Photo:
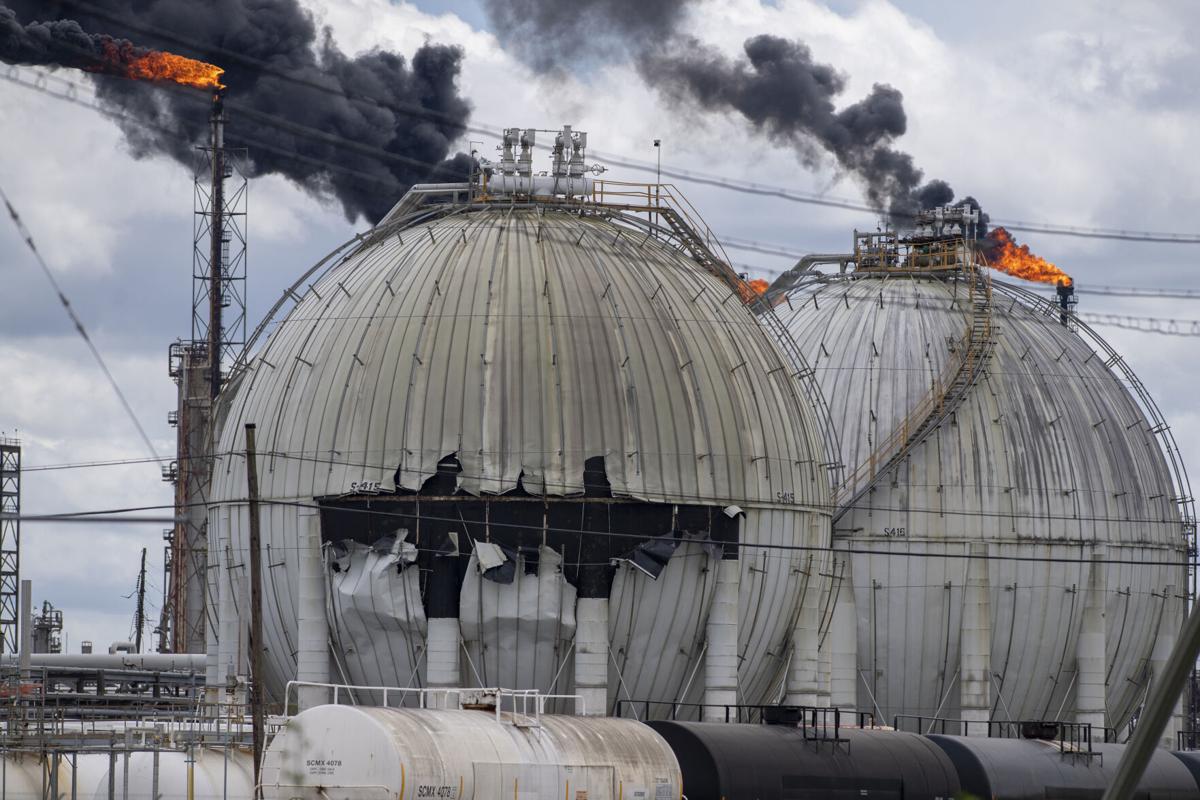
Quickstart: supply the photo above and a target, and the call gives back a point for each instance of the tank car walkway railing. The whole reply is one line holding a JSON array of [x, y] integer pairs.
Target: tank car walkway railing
[[1072, 738], [946, 393], [818, 724]]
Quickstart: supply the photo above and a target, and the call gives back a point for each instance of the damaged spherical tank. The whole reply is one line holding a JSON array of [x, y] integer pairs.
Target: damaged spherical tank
[[537, 447], [1011, 527], [335, 751]]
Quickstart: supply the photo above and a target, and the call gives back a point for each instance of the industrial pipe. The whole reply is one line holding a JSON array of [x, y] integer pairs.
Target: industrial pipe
[[721, 657], [150, 662], [803, 669], [788, 279], [312, 625]]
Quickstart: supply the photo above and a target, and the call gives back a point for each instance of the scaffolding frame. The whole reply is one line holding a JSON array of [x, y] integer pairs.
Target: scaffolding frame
[[10, 544]]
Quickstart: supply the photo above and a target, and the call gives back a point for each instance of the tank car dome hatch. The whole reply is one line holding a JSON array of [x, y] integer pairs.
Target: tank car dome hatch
[[533, 436], [1014, 520]]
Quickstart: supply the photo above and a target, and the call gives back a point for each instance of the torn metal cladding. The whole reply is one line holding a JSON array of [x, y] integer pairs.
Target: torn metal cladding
[[1048, 455], [501, 412]]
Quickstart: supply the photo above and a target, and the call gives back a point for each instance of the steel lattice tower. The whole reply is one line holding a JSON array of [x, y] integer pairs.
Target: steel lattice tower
[[218, 336], [10, 544]]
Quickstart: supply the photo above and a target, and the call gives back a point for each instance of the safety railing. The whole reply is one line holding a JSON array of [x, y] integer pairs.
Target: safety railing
[[948, 389], [655, 196], [522, 704], [819, 722]]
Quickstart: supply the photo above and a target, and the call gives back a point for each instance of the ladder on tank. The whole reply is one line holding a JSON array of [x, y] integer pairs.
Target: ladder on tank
[[945, 395]]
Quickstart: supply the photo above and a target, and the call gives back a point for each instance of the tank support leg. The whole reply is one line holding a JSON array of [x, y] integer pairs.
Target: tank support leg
[[976, 637], [721, 657]]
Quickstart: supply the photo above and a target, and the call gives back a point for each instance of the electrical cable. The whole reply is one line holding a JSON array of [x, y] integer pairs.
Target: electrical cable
[[719, 181], [821, 507], [764, 546], [66, 304]]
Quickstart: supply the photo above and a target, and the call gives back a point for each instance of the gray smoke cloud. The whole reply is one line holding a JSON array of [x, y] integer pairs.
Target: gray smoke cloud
[[285, 78], [552, 34], [789, 97], [776, 85]]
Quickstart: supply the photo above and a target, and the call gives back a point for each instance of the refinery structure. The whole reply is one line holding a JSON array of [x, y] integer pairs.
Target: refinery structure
[[525, 491]]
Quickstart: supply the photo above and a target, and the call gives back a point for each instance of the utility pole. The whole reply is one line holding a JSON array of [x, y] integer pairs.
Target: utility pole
[[256, 643], [139, 616]]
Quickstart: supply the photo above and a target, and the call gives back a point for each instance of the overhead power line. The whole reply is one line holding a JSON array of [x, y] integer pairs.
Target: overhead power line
[[78, 323], [1170, 327], [692, 176], [1084, 545]]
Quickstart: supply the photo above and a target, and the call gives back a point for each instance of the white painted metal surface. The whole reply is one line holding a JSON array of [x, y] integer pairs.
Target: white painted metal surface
[[312, 652], [218, 774], [591, 654], [1048, 456], [445, 643], [526, 341], [352, 753], [721, 658]]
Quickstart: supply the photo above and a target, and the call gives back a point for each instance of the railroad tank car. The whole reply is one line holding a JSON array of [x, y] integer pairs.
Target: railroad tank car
[[336, 752], [1014, 523], [1030, 768], [517, 444], [730, 761]]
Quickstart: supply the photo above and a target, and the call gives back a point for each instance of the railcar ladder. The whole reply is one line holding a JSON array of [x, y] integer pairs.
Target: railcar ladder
[[945, 395]]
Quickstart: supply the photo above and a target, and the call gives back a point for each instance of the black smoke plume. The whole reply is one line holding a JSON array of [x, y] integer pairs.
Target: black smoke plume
[[356, 129], [777, 87], [552, 34]]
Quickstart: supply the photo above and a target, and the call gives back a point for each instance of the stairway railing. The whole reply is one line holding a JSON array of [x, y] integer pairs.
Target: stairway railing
[[946, 391]]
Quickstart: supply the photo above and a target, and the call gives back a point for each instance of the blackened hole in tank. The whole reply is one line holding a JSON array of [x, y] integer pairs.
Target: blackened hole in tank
[[590, 531]]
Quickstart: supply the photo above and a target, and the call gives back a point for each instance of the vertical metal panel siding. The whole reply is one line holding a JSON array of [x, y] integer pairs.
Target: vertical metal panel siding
[[526, 342], [1048, 451]]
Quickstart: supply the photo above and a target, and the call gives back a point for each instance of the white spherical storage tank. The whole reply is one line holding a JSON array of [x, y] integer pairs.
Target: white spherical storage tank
[[347, 753], [1023, 556], [530, 448], [218, 773]]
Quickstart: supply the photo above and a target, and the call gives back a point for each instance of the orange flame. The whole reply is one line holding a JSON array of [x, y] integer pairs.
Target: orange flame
[[750, 291], [1016, 260], [127, 61]]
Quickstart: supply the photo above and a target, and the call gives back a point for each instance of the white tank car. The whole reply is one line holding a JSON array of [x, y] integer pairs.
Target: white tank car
[[337, 752], [967, 588], [517, 446]]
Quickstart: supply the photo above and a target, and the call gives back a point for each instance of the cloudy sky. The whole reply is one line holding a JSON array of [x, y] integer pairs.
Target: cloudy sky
[[1074, 113]]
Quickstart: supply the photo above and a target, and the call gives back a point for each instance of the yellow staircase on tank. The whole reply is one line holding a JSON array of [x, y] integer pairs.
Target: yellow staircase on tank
[[947, 391]]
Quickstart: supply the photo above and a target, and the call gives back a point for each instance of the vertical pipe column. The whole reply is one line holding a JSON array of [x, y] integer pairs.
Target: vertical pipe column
[[213, 678], [216, 255], [843, 643], [591, 633], [312, 653], [824, 670], [721, 657], [591, 654], [1090, 649], [26, 629], [975, 686], [802, 676], [228, 661], [1164, 643], [443, 639]]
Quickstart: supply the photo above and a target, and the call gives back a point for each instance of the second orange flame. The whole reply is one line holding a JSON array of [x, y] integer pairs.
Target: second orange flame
[[127, 61], [1017, 260]]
